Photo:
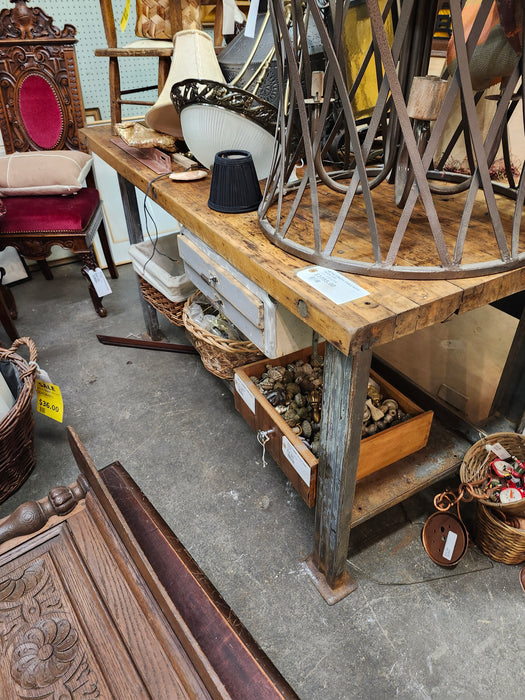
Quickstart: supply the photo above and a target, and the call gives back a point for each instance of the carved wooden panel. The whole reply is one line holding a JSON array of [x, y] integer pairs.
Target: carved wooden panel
[[86, 611], [77, 622], [44, 649], [24, 22]]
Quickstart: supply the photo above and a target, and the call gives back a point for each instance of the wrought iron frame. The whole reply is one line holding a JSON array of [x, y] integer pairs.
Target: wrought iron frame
[[305, 127]]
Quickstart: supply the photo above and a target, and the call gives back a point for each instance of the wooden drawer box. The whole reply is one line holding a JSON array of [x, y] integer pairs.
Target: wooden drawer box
[[271, 327], [291, 454]]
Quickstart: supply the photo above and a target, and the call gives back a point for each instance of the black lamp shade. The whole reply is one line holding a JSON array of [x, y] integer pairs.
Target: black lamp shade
[[234, 185]]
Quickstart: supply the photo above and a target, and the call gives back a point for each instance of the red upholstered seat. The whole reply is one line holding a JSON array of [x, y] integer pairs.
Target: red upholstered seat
[[71, 212]]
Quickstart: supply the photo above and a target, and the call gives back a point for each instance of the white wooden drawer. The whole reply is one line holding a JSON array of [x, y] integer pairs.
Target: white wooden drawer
[[271, 327]]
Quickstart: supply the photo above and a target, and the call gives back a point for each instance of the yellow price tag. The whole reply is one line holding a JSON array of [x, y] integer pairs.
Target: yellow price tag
[[49, 400], [125, 16]]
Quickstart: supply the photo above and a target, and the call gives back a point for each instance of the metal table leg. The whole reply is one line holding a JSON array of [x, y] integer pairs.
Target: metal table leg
[[345, 386], [509, 400], [135, 234]]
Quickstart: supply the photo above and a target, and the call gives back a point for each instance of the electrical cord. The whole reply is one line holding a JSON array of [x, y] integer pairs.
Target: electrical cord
[[148, 216]]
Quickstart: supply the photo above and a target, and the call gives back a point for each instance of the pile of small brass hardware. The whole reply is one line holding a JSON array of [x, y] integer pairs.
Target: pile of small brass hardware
[[380, 412], [296, 393]]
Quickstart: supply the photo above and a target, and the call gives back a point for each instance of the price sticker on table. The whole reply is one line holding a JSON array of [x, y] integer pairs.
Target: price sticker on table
[[49, 400], [332, 284]]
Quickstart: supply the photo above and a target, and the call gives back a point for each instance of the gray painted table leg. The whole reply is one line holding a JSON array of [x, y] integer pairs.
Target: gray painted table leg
[[135, 234], [345, 389]]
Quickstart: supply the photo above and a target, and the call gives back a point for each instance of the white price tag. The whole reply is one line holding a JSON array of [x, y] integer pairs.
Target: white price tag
[[41, 374], [332, 284], [245, 394], [228, 17], [99, 281], [249, 29], [450, 543], [295, 459], [498, 450]]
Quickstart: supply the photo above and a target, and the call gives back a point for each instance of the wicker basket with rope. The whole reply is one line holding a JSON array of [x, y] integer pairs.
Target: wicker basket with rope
[[17, 452], [219, 355]]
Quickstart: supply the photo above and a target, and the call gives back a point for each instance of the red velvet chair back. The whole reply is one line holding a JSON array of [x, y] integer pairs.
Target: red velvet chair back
[[41, 105], [41, 109]]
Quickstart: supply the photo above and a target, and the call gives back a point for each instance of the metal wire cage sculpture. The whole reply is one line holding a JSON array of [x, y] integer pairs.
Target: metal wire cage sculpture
[[375, 195]]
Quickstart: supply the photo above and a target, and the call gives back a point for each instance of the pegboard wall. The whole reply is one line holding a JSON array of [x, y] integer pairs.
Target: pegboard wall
[[94, 71]]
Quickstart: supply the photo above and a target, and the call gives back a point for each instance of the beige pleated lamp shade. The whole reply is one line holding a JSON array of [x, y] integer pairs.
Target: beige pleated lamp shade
[[193, 57]]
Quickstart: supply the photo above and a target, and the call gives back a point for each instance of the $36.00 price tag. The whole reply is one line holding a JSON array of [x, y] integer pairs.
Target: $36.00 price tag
[[49, 400]]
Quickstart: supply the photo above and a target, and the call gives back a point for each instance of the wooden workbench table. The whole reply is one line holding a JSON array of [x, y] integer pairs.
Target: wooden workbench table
[[392, 309]]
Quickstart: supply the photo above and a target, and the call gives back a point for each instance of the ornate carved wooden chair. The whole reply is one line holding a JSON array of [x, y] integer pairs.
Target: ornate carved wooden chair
[[41, 112]]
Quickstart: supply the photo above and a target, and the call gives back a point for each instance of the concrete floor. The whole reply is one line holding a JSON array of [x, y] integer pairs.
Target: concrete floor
[[410, 630]]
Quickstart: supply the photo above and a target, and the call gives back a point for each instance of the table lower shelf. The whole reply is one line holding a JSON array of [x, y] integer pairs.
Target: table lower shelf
[[386, 488], [441, 457]]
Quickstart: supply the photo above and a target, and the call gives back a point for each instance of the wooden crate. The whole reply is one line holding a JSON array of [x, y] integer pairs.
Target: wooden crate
[[291, 454]]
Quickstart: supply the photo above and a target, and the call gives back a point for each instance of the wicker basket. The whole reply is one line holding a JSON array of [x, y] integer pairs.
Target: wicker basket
[[172, 310], [497, 539], [219, 355], [17, 452], [153, 19], [475, 467]]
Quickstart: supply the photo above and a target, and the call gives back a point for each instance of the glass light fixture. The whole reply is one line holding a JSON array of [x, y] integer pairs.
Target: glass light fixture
[[217, 117]]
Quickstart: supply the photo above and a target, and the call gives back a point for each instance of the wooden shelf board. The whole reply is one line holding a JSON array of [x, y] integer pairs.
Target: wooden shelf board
[[386, 488]]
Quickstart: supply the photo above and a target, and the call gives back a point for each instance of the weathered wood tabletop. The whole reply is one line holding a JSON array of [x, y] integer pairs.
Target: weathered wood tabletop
[[393, 308]]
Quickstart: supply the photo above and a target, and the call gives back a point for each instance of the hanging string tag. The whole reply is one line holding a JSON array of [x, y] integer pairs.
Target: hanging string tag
[[99, 281], [262, 438], [498, 450], [40, 373], [49, 396]]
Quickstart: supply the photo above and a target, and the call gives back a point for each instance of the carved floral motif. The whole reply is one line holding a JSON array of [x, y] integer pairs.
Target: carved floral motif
[[39, 644], [44, 654], [15, 587]]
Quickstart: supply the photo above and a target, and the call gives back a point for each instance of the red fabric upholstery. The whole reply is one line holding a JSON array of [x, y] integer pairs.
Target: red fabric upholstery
[[40, 111], [49, 213]]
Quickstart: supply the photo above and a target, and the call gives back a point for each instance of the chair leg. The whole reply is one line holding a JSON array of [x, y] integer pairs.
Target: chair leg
[[8, 312], [7, 296], [164, 70], [102, 234], [45, 269], [90, 264], [114, 93]]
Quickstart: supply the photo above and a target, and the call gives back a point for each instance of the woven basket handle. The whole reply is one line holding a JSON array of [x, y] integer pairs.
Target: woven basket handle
[[33, 354]]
